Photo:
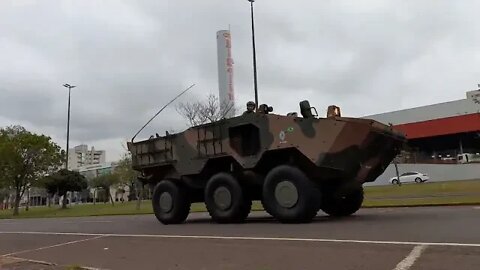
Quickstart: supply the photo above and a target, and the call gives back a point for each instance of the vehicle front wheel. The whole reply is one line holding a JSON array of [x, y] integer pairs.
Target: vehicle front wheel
[[418, 180], [170, 202], [290, 196], [226, 200], [342, 201]]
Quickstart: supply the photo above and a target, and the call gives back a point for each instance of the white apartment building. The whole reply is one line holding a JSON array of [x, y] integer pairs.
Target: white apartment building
[[81, 156]]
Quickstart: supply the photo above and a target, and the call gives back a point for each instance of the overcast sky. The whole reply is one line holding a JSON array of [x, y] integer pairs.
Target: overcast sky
[[128, 58]]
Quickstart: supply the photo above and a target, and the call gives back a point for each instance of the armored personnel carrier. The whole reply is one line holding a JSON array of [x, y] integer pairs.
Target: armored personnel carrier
[[295, 165]]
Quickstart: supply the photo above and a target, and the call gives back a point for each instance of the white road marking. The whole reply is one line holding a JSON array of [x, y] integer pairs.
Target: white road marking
[[52, 246], [33, 261], [408, 262], [213, 237], [48, 263], [476, 207]]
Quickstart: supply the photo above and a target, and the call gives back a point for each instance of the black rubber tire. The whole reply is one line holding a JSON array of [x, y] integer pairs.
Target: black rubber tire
[[418, 180], [241, 204], [309, 195], [395, 182], [343, 200], [181, 203]]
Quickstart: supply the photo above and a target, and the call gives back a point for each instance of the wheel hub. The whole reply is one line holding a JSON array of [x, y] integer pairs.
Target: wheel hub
[[286, 194], [222, 198], [166, 202]]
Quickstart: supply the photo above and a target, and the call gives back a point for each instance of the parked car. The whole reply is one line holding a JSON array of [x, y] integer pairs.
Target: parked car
[[410, 177]]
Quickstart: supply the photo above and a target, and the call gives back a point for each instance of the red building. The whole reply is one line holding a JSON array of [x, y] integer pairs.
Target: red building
[[440, 131]]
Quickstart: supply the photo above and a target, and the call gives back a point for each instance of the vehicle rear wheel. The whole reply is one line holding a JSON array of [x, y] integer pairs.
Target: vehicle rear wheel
[[226, 200], [170, 202], [342, 201], [395, 182], [289, 196]]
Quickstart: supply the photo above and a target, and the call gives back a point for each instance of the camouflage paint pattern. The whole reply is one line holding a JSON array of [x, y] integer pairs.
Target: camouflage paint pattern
[[356, 149]]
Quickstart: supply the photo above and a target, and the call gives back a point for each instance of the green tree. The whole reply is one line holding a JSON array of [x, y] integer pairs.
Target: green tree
[[128, 176], [105, 182], [124, 170], [62, 182], [24, 158], [2, 181]]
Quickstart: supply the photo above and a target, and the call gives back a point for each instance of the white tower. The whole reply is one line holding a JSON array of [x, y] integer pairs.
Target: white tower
[[225, 73]]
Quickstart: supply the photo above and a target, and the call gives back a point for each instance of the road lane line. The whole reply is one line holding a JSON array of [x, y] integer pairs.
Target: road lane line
[[52, 246], [32, 261], [408, 262], [213, 237]]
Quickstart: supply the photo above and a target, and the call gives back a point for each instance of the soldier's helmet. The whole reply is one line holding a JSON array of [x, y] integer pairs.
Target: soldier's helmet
[[250, 106]]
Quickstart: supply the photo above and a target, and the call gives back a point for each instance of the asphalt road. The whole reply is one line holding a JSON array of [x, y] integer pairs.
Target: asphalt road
[[393, 238]]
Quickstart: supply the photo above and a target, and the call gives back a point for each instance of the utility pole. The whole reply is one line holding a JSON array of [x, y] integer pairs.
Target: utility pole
[[254, 55], [68, 120]]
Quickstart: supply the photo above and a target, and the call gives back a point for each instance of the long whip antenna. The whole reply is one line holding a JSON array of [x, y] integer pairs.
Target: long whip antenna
[[163, 108]]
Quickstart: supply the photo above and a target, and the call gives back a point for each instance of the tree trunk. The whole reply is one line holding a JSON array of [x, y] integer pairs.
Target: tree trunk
[[111, 198], [64, 203], [16, 203], [7, 202], [139, 196], [49, 200], [27, 207]]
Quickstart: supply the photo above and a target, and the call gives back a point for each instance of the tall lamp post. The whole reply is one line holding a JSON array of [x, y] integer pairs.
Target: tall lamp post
[[68, 120], [254, 55]]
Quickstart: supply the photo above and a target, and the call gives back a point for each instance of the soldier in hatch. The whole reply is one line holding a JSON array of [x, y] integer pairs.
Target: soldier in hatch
[[250, 107]]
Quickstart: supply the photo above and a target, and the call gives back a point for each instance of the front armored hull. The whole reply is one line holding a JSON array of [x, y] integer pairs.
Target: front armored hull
[[363, 150]]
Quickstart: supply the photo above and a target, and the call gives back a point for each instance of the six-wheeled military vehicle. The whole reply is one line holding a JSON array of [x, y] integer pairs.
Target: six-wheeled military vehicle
[[294, 164]]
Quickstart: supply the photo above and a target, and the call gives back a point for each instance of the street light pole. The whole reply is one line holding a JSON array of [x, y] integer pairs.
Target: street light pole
[[68, 120], [254, 55]]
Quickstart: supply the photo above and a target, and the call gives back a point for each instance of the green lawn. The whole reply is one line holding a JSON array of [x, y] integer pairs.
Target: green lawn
[[434, 193], [99, 209], [425, 189], [429, 193]]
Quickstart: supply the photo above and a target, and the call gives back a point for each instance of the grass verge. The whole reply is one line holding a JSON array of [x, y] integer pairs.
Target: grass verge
[[425, 194]]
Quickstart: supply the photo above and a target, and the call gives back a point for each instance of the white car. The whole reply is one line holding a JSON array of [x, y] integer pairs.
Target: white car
[[410, 177]]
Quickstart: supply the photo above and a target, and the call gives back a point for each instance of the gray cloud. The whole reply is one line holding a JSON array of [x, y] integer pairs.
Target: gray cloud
[[128, 58]]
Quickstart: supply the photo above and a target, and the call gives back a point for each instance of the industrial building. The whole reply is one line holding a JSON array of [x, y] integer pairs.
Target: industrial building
[[446, 132]]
